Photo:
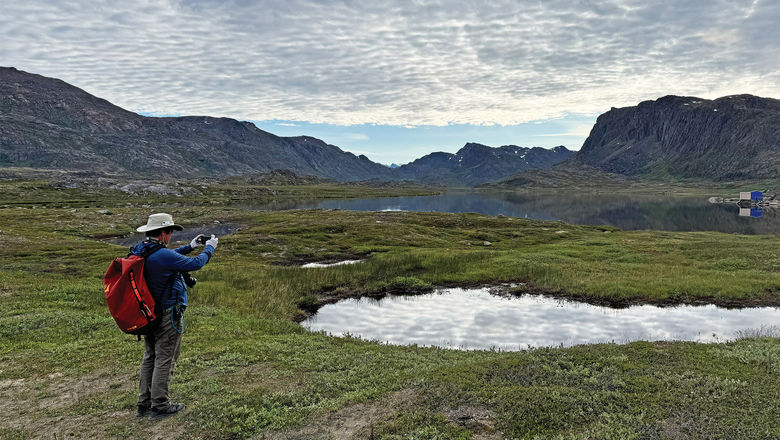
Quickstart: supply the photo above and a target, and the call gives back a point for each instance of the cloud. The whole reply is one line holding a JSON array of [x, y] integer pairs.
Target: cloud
[[395, 62], [356, 136], [579, 130]]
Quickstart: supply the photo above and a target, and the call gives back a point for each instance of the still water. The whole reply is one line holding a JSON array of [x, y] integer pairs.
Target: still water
[[626, 212], [477, 319]]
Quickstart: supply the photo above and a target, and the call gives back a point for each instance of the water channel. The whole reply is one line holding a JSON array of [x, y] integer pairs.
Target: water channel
[[478, 319]]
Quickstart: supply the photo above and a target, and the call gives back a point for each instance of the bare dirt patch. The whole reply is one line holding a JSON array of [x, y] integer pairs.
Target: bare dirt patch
[[37, 404], [480, 421], [352, 422]]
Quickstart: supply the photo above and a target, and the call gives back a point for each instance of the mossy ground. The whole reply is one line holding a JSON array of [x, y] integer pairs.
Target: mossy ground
[[247, 369]]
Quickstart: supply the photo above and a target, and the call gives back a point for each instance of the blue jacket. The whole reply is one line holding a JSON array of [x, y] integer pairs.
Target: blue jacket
[[165, 266]]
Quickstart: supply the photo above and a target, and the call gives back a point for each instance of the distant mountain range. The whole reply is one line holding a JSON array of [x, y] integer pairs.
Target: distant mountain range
[[47, 123], [475, 164]]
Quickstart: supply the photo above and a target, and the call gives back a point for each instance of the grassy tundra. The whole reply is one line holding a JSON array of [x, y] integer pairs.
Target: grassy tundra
[[248, 370]]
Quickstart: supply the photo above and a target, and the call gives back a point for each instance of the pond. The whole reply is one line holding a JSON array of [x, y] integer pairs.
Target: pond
[[479, 319], [218, 229], [628, 212]]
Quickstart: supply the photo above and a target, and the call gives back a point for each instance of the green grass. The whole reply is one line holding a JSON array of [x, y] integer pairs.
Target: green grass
[[247, 369]]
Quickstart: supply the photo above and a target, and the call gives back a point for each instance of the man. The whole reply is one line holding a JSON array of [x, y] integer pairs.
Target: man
[[163, 273]]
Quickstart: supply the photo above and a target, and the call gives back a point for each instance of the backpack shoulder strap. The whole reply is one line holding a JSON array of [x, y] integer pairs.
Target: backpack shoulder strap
[[149, 250]]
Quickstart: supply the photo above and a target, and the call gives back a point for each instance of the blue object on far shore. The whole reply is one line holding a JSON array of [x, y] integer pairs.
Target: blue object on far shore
[[756, 196]]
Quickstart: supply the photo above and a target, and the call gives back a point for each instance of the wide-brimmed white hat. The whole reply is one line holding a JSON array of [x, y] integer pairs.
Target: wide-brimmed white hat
[[159, 221]]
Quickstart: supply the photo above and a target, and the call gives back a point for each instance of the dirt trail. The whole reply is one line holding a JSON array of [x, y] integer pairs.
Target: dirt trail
[[54, 412], [351, 422]]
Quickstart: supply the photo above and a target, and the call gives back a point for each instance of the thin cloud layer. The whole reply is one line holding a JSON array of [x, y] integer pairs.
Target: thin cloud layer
[[396, 62]]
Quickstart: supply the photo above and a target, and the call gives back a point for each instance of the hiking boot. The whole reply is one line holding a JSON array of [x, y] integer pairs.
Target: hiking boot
[[173, 408], [143, 410]]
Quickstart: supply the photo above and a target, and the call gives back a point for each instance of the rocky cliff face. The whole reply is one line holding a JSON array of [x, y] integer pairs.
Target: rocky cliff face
[[47, 123], [475, 164], [734, 137]]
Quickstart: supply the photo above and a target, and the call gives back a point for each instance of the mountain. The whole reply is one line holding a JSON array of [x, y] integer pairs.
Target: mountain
[[47, 123], [734, 137], [475, 164], [567, 174]]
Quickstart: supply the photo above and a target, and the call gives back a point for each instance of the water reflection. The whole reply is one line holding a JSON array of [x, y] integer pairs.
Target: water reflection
[[476, 319], [627, 212], [337, 263]]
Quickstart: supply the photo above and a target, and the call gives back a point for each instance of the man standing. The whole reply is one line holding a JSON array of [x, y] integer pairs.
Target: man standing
[[163, 273]]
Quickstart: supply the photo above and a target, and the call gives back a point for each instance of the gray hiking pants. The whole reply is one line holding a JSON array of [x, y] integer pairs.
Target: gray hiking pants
[[162, 351]]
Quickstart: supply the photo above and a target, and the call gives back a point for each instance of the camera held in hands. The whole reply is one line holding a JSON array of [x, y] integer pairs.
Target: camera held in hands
[[189, 280], [203, 239]]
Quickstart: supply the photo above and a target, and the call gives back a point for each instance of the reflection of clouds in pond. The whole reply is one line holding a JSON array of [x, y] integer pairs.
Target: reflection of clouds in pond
[[475, 319], [338, 263]]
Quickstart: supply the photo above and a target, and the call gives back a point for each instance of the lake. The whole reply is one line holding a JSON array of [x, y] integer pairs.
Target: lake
[[477, 319], [628, 212]]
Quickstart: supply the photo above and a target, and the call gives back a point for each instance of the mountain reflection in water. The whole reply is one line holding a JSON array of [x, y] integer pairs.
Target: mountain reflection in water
[[628, 212], [476, 319]]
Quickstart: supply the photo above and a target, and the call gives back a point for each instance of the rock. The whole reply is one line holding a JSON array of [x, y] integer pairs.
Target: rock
[[146, 188], [105, 212], [560, 232], [487, 243], [684, 136]]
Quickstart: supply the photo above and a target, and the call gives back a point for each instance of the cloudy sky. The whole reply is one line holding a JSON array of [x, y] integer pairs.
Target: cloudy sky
[[397, 79]]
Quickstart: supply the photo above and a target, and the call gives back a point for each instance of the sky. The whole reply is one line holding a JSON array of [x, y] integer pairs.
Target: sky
[[395, 80]]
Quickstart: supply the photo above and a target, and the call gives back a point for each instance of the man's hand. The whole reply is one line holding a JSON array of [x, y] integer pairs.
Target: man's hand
[[194, 243], [212, 241]]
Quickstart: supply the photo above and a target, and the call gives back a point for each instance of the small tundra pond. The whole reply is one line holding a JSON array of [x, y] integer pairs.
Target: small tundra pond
[[477, 319]]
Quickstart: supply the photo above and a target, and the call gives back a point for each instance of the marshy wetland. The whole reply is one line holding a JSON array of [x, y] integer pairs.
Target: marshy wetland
[[249, 369]]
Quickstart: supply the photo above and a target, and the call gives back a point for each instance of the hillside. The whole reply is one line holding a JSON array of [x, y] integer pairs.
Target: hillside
[[47, 123], [734, 137], [476, 164], [568, 174]]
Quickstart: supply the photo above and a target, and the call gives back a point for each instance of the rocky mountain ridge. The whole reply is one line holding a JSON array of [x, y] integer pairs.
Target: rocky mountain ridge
[[733, 137], [475, 164], [48, 123]]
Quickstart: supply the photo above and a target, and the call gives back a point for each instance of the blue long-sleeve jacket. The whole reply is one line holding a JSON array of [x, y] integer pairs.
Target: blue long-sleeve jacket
[[164, 266]]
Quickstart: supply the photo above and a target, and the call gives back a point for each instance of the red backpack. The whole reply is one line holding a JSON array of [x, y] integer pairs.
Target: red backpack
[[129, 299]]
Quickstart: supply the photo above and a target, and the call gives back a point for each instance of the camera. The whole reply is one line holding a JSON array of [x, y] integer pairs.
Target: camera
[[189, 280], [203, 239]]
